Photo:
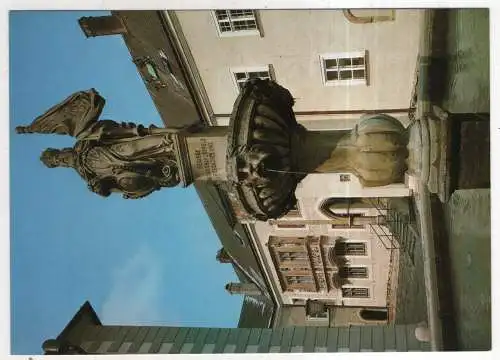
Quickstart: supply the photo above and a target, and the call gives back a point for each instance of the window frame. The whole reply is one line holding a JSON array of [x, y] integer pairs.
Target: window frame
[[368, 289], [283, 226], [250, 69], [349, 276], [351, 241], [316, 318], [232, 33], [290, 256], [297, 277], [339, 55]]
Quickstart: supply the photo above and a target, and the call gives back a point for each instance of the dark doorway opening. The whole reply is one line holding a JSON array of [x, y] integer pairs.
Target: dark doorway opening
[[373, 315]]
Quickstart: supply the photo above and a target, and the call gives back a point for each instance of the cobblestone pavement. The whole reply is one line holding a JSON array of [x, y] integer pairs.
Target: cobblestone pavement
[[468, 52], [467, 213], [411, 307], [468, 223]]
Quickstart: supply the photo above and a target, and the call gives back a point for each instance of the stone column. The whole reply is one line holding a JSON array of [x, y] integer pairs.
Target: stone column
[[375, 150]]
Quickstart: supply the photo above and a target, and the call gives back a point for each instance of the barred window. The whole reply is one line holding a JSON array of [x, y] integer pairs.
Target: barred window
[[355, 292], [345, 248], [353, 272], [233, 21]]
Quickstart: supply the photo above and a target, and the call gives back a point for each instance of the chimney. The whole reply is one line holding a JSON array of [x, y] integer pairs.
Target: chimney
[[223, 257], [243, 289], [102, 25]]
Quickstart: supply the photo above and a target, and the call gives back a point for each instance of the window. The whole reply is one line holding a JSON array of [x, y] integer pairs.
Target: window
[[345, 178], [344, 68], [316, 310], [285, 241], [347, 226], [242, 75], [236, 22], [294, 211], [345, 210], [290, 226], [354, 272], [299, 279], [290, 256], [345, 248], [323, 315], [355, 292]]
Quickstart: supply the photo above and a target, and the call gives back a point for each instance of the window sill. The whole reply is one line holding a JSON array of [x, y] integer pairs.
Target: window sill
[[230, 34], [346, 83]]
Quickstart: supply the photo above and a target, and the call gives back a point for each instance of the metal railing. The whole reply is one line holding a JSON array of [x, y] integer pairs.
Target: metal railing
[[382, 229], [399, 231]]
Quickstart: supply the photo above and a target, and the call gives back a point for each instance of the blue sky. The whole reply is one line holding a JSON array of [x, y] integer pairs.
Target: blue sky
[[148, 261]]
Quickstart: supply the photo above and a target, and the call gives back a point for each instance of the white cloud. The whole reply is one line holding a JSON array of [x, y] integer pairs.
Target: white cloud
[[134, 296]]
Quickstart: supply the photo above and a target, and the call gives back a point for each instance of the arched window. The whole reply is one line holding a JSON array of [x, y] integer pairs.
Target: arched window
[[344, 210], [368, 19], [335, 207], [373, 314]]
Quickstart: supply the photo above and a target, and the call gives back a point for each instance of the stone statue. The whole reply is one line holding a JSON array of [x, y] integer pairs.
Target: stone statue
[[111, 157]]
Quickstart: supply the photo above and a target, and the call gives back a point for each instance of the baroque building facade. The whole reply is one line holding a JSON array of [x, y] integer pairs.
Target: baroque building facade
[[332, 260]]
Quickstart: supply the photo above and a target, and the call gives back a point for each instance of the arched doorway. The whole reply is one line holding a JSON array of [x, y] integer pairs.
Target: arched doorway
[[373, 314], [349, 212]]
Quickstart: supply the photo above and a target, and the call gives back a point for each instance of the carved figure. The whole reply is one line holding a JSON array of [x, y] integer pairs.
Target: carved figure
[[111, 157]]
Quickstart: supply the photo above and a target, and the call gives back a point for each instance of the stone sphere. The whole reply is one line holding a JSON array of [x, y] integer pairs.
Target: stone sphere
[[422, 333]]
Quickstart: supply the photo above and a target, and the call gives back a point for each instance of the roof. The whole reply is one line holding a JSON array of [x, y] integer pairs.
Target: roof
[[146, 37], [230, 232], [86, 314], [257, 311]]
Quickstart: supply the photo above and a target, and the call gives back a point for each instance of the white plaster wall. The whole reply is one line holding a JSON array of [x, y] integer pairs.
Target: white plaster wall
[[322, 186], [321, 122], [293, 41]]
